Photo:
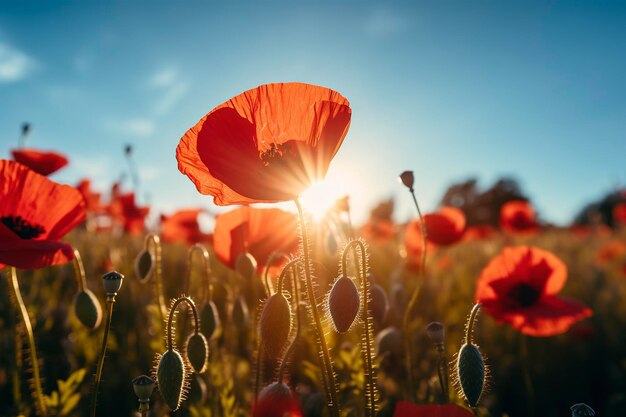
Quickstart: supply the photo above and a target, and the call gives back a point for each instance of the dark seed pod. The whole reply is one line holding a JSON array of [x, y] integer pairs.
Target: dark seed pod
[[197, 352], [112, 282], [143, 386], [471, 373], [198, 391], [389, 340], [171, 378], [582, 410], [209, 319], [240, 312], [144, 265], [343, 304], [246, 265], [87, 309], [379, 303], [274, 325]]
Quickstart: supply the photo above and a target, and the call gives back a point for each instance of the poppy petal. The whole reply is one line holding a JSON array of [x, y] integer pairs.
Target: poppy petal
[[446, 226], [34, 254], [407, 409], [42, 162]]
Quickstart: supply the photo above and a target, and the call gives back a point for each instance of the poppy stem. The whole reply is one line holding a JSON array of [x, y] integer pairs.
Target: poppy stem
[[406, 323], [153, 240], [266, 281], [172, 313], [79, 271], [292, 346], [327, 367], [94, 398], [371, 394], [206, 267], [38, 394], [528, 382]]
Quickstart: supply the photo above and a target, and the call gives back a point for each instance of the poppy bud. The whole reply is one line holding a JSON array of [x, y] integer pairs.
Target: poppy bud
[[26, 128], [436, 333], [112, 282], [143, 386], [582, 410], [171, 375], [276, 400], [471, 373], [379, 304], [144, 265], [246, 265], [343, 304], [128, 150], [197, 352], [209, 319], [240, 313], [274, 325], [407, 179], [198, 391], [87, 309], [389, 340]]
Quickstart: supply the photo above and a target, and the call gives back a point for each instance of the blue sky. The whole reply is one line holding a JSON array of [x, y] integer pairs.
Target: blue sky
[[447, 89]]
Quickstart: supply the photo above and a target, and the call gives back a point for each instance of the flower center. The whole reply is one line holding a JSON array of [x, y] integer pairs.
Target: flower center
[[523, 295], [275, 154], [22, 227]]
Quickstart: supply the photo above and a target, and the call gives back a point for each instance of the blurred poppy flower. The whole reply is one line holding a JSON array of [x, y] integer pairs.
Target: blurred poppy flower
[[132, 217], [378, 231], [610, 251], [518, 217], [619, 213], [407, 409], [42, 162], [183, 227], [445, 226], [414, 244], [259, 231], [265, 145], [34, 214], [483, 231], [92, 199], [520, 286]]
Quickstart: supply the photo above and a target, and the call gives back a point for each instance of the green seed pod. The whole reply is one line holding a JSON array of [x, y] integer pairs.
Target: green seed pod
[[87, 309], [379, 303], [470, 368], [171, 375], [343, 304], [197, 352], [209, 319], [274, 325], [112, 282], [144, 265], [246, 265], [143, 386]]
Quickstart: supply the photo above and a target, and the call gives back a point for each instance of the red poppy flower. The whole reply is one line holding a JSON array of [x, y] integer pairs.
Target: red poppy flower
[[34, 214], [183, 227], [265, 145], [518, 217], [260, 231], [520, 287], [483, 231], [378, 231], [611, 251], [619, 213], [42, 162], [407, 409], [414, 244], [446, 226], [92, 199], [131, 216]]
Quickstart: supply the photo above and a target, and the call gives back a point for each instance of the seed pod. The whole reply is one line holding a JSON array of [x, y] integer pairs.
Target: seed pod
[[209, 319], [144, 265], [436, 333], [343, 304], [274, 325], [112, 282], [246, 265], [276, 400], [87, 309], [389, 340], [197, 352], [143, 386], [171, 375], [240, 312], [379, 303], [471, 373], [582, 410]]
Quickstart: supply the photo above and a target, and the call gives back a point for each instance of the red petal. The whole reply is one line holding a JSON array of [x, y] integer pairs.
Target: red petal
[[34, 254], [406, 409], [42, 162], [518, 217], [446, 226]]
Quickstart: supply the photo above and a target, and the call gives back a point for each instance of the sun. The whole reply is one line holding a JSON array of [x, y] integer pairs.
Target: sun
[[321, 195]]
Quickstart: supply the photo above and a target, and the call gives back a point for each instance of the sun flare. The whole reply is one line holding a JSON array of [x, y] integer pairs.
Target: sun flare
[[321, 195]]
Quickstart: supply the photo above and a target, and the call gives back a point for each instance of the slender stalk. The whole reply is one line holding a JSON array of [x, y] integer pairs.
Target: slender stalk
[[39, 397], [94, 398], [79, 271], [442, 373], [327, 367], [292, 345], [206, 267], [528, 382], [469, 331], [266, 281], [367, 345], [406, 323], [154, 241], [170, 319]]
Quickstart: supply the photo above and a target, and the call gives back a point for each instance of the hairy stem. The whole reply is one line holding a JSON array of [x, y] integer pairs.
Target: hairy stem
[[327, 368], [170, 318], [292, 345], [469, 331], [154, 241], [206, 268], [39, 397], [79, 271]]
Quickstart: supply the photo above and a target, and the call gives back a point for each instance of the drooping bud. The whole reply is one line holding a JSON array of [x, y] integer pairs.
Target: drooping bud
[[240, 312], [407, 179], [143, 386], [198, 391], [112, 282], [275, 325], [144, 265], [379, 303], [209, 320], [436, 333], [246, 265], [343, 304], [582, 410], [87, 309], [197, 352], [276, 400], [470, 365], [171, 378]]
